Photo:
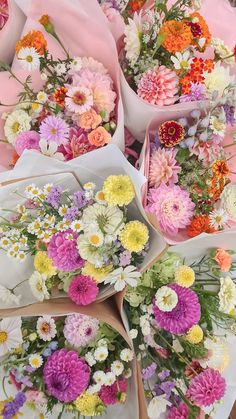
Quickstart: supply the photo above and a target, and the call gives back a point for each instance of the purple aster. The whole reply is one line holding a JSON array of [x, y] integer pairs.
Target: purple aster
[[28, 140], [186, 313], [163, 374], [229, 114], [197, 92], [62, 249], [71, 214], [125, 258], [79, 199], [148, 372], [54, 196], [11, 408], [54, 128], [80, 330]]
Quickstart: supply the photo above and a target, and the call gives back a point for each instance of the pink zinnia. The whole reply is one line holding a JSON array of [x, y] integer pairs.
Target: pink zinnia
[[28, 140], [62, 249], [80, 330], [186, 313], [79, 99], [54, 128], [180, 412], [207, 388], [108, 394], [159, 86], [77, 145], [83, 290], [206, 151], [66, 375], [172, 207], [163, 167]]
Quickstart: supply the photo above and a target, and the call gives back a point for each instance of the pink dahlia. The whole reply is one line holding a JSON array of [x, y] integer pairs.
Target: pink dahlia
[[172, 207], [163, 167], [159, 86], [180, 412], [101, 86], [108, 394], [83, 290], [184, 315], [77, 145], [206, 151], [80, 329], [62, 249], [207, 388], [28, 140], [66, 375]]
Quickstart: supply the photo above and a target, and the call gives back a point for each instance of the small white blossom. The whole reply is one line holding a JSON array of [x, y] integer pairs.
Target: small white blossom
[[133, 333], [101, 354], [117, 368], [126, 355]]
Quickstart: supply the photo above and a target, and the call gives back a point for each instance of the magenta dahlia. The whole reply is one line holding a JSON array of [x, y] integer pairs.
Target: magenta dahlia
[[62, 249], [159, 86], [28, 140], [207, 388], [180, 412], [80, 330], [184, 315], [163, 167], [108, 394], [66, 375], [172, 207], [83, 290]]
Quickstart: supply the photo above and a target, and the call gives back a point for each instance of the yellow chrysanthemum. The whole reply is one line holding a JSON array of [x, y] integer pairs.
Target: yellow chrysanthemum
[[43, 264], [194, 335], [134, 236], [96, 273], [184, 276], [118, 190], [89, 404]]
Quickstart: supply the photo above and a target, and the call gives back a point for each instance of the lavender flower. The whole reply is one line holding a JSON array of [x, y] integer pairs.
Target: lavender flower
[[148, 372], [79, 199], [229, 114], [167, 387], [197, 92], [125, 258], [11, 408], [54, 129], [71, 214], [163, 374], [54, 196]]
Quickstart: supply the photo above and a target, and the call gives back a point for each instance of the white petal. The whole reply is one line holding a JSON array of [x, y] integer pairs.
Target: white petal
[[119, 285]]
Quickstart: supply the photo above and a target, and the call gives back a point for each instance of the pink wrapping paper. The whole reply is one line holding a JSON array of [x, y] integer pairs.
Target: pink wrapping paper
[[11, 32]]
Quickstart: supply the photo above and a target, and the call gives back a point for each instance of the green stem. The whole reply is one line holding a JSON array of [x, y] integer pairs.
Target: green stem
[[4, 387], [16, 286]]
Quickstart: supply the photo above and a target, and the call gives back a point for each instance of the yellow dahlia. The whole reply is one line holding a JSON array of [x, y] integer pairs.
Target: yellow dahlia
[[118, 190], [194, 335], [96, 273], [134, 236], [43, 264], [184, 276], [89, 404]]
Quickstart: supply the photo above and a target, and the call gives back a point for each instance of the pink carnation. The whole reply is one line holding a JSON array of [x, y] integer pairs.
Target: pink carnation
[[172, 207], [28, 140], [207, 388], [101, 86], [83, 290], [108, 394], [163, 167], [63, 251], [159, 86]]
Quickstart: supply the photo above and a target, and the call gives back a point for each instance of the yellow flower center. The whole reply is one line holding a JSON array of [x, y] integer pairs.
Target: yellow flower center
[[79, 98], [53, 131], [167, 299], [15, 127], [35, 363], [184, 64], [94, 239], [45, 328], [29, 58], [101, 196], [3, 337], [39, 287]]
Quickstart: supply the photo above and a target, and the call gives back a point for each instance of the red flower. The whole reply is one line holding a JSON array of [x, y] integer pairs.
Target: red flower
[[60, 95], [171, 133], [200, 224]]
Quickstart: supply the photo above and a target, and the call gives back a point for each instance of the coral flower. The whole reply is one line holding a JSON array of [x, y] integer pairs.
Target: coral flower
[[224, 260], [99, 137], [60, 95], [200, 224], [178, 36], [171, 133], [89, 120], [33, 39], [220, 168]]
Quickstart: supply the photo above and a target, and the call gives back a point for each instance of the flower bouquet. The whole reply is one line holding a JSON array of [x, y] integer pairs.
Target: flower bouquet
[[58, 360], [72, 91], [165, 69], [183, 325]]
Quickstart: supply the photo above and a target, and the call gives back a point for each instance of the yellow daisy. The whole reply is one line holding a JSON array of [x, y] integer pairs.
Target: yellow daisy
[[134, 236], [118, 190]]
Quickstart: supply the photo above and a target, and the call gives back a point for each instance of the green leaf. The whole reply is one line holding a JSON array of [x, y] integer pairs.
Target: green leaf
[[194, 351], [160, 39]]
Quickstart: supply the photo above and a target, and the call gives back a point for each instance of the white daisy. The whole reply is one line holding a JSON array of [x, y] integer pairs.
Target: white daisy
[[35, 361], [133, 34], [46, 328], [117, 368], [100, 198], [16, 122], [50, 149], [63, 210], [79, 99], [60, 69], [110, 378], [95, 238], [8, 297], [101, 354], [109, 220], [126, 355], [121, 277], [76, 226], [10, 334], [218, 218], [42, 97], [38, 286], [21, 256], [36, 107], [166, 299], [90, 359], [5, 243], [29, 58], [181, 61]]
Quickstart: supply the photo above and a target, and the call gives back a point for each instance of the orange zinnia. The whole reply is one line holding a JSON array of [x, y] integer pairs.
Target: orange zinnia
[[33, 39], [200, 224], [177, 36], [60, 95], [205, 33], [220, 168]]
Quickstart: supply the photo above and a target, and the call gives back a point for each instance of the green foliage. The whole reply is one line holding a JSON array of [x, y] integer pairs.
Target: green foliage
[[194, 351]]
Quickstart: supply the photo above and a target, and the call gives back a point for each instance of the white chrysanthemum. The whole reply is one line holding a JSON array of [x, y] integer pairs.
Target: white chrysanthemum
[[90, 359], [38, 287], [29, 58], [218, 80], [128, 373], [8, 297], [218, 354], [35, 361], [117, 368], [228, 200], [99, 377], [218, 127], [10, 334], [227, 294], [60, 69], [46, 328], [181, 61], [121, 277], [94, 388], [157, 407], [16, 122], [76, 64], [133, 333], [126, 355], [50, 149], [101, 354], [133, 33], [110, 378], [42, 96], [218, 218], [105, 219], [166, 299], [222, 50]]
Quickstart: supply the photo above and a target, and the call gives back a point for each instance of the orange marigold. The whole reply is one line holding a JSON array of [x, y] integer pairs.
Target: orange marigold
[[205, 33], [209, 65], [178, 36], [33, 39], [186, 84], [200, 224], [220, 168]]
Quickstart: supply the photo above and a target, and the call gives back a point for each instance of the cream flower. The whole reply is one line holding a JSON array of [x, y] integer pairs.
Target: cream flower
[[117, 368], [8, 297], [222, 50], [101, 354], [157, 407], [166, 299], [121, 277], [89, 252], [106, 219], [38, 287], [10, 334], [50, 149], [16, 122], [218, 80], [126, 355], [218, 354], [218, 127], [29, 58], [227, 295], [228, 200], [133, 33]]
